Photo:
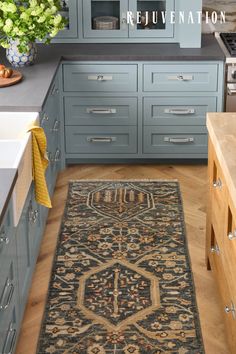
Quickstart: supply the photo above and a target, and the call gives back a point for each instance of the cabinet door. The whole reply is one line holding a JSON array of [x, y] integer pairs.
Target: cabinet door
[[23, 255], [151, 18], [69, 11], [50, 122], [104, 19]]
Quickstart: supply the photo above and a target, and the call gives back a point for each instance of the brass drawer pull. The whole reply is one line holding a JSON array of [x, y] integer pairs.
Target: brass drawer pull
[[177, 111], [100, 77], [101, 110], [231, 309], [217, 183], [215, 249], [178, 140], [9, 287], [101, 139], [10, 340], [232, 235]]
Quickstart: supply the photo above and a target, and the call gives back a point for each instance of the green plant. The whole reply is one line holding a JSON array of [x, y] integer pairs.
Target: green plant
[[29, 20]]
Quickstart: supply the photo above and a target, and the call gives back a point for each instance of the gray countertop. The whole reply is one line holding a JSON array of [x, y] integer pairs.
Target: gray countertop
[[29, 95], [8, 179]]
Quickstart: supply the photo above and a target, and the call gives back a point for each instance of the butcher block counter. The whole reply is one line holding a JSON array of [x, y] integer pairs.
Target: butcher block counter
[[221, 214]]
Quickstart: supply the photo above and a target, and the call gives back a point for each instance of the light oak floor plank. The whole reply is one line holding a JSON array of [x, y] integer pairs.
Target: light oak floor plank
[[193, 184]]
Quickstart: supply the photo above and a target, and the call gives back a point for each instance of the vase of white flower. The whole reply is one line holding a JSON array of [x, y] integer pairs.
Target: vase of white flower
[[18, 59], [22, 23]]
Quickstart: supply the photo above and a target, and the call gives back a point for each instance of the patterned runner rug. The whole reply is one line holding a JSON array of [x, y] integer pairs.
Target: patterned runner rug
[[121, 281]]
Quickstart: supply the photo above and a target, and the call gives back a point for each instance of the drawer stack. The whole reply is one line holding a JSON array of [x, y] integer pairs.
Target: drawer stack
[[175, 122], [138, 110], [221, 240], [9, 316], [106, 124]]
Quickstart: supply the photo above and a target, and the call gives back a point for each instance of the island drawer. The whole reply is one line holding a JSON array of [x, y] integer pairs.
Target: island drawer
[[224, 280], [175, 140], [180, 77], [100, 111], [219, 195], [97, 140], [100, 77], [229, 243], [177, 110]]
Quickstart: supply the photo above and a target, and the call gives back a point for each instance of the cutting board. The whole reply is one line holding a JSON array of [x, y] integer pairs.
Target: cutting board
[[14, 79]]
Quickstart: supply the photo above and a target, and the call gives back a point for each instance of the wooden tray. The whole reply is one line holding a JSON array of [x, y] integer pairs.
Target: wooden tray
[[14, 79]]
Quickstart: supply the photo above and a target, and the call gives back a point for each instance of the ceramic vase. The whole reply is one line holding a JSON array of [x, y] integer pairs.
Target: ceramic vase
[[18, 59]]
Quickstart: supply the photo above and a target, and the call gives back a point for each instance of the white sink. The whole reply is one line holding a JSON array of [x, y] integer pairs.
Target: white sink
[[14, 125], [11, 152], [16, 152]]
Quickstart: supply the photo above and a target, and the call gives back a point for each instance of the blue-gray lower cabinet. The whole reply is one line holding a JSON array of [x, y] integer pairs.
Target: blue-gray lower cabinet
[[19, 246], [28, 236], [9, 308], [138, 110]]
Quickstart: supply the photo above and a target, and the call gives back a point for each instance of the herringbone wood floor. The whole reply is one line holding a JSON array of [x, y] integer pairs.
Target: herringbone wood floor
[[193, 183]]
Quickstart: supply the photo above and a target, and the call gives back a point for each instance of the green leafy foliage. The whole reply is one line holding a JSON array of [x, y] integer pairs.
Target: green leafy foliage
[[29, 20]]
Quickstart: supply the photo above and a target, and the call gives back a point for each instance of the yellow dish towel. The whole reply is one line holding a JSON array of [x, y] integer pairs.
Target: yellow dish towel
[[40, 164]]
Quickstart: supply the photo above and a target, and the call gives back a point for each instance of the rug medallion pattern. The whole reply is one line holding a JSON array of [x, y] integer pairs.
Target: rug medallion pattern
[[121, 281]]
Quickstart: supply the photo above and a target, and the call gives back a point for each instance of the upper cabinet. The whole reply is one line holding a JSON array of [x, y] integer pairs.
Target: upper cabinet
[[132, 21], [105, 19], [127, 18], [70, 12]]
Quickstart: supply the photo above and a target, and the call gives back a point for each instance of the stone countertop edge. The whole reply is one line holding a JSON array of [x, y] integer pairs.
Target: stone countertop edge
[[222, 128], [8, 178], [30, 97]]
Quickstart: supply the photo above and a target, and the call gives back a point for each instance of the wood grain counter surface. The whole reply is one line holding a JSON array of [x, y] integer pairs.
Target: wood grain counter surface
[[222, 132]]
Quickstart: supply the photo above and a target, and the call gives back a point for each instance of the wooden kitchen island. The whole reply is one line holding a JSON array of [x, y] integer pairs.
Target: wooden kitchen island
[[221, 214]]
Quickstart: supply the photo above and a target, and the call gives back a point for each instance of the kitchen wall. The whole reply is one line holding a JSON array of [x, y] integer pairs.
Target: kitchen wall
[[221, 5]]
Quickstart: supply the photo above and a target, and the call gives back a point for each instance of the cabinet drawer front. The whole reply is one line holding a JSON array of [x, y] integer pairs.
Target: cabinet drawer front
[[229, 243], [175, 140], [228, 299], [218, 194], [97, 140], [177, 110], [100, 111], [110, 78], [180, 77], [50, 111]]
